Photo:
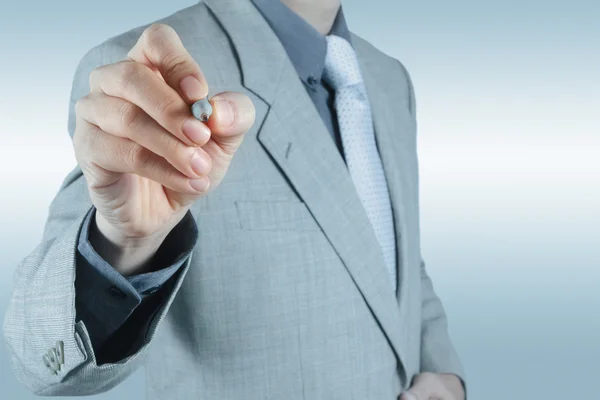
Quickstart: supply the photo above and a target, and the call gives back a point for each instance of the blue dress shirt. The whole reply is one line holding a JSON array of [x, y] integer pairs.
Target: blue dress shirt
[[116, 309]]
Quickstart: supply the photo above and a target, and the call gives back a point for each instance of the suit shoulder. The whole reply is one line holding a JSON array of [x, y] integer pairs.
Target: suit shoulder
[[387, 66], [375, 55], [183, 22]]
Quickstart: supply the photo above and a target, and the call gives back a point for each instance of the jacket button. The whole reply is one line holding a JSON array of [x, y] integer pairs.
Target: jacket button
[[55, 357]]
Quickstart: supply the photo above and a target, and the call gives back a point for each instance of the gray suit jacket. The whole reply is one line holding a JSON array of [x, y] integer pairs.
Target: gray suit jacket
[[286, 295]]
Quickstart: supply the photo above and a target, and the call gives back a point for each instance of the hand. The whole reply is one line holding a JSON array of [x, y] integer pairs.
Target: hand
[[429, 386], [145, 158]]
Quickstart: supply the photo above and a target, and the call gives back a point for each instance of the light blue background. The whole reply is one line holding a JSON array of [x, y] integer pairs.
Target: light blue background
[[509, 114]]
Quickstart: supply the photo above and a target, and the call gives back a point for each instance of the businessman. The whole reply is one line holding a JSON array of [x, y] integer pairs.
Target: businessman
[[269, 253]]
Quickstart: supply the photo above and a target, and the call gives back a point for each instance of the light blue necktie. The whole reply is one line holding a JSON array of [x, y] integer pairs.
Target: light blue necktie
[[355, 122]]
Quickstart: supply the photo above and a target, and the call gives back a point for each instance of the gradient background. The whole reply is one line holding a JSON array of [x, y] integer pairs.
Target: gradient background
[[509, 110]]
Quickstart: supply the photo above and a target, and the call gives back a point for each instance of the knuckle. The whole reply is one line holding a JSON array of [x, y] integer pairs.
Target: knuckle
[[98, 76], [138, 157], [128, 72], [157, 32], [128, 116], [83, 105], [166, 106], [173, 147], [93, 76], [177, 63], [168, 175], [163, 42]]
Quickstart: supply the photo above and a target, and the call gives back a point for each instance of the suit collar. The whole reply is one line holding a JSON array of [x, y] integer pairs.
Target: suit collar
[[260, 53], [305, 46]]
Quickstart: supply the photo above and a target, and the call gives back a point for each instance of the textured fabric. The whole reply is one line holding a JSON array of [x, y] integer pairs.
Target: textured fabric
[[121, 343], [171, 254], [105, 299], [306, 49], [286, 294], [342, 72]]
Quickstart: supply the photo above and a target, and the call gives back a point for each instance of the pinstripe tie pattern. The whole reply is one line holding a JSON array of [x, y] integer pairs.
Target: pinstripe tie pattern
[[355, 122]]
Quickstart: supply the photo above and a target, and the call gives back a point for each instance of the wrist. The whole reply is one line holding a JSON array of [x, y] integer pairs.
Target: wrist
[[124, 240], [129, 255]]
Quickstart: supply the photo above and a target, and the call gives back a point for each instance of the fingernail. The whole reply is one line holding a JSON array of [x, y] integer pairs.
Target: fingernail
[[200, 163], [192, 88], [200, 184], [225, 112], [196, 131]]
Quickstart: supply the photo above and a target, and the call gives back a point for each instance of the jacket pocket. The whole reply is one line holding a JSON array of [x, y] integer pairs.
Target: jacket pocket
[[275, 216]]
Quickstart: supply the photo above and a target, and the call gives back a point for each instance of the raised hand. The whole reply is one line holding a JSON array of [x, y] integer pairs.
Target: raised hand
[[146, 159]]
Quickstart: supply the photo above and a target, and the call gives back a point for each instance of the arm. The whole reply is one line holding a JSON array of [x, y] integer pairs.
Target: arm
[[125, 155], [438, 355], [437, 352], [42, 307], [105, 299], [442, 375]]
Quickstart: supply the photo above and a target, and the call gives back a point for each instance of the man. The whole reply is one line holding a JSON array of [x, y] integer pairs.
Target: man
[[272, 252]]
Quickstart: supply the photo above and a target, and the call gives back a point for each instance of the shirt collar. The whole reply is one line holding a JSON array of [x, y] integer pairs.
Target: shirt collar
[[305, 46]]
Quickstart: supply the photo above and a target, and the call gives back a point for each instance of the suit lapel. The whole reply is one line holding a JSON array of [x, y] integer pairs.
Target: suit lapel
[[394, 131], [298, 142]]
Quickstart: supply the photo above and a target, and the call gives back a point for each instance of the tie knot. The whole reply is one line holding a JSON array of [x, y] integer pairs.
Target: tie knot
[[341, 65]]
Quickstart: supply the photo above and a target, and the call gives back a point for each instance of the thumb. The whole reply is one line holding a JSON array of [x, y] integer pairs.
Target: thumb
[[232, 115]]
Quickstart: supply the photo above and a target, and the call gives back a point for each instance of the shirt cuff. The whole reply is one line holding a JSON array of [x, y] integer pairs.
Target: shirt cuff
[[105, 298], [173, 253]]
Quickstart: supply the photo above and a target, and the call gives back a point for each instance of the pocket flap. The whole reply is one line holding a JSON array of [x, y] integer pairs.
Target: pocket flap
[[275, 216]]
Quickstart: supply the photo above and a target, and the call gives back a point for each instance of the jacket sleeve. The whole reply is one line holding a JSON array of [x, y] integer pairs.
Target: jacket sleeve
[[438, 354], [105, 299], [50, 351]]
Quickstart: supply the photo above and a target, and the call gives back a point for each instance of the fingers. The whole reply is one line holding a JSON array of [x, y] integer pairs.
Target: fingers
[[143, 105], [166, 96], [233, 114], [159, 47], [137, 84], [117, 154], [124, 119], [427, 386]]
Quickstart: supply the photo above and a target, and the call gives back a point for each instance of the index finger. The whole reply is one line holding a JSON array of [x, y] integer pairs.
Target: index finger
[[160, 48]]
